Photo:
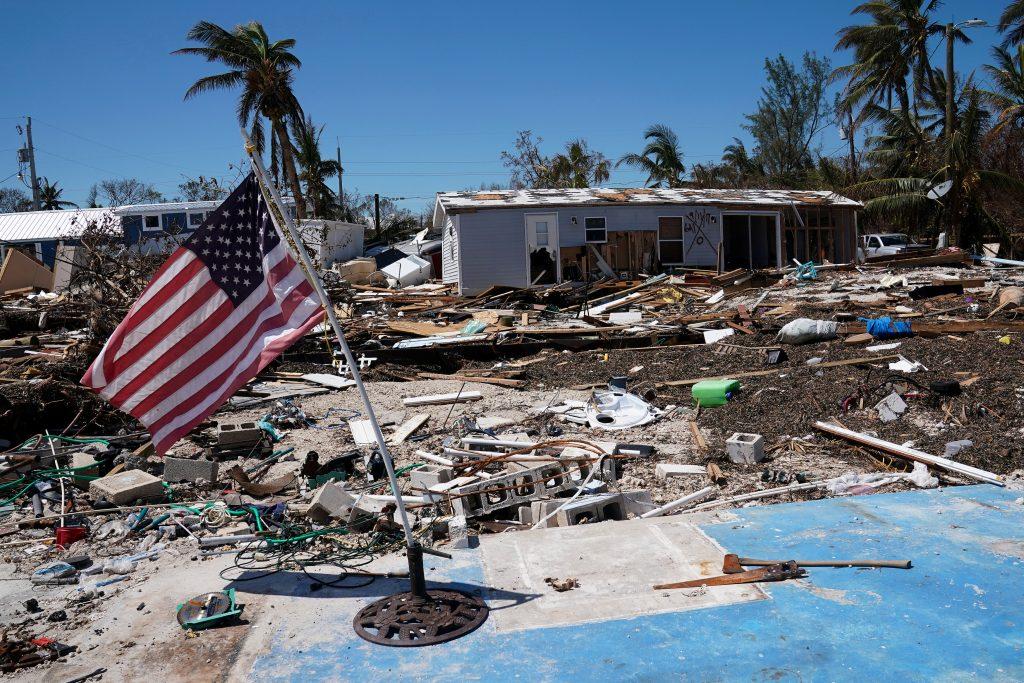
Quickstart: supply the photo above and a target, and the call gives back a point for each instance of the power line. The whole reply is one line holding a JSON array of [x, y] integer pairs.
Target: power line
[[115, 149]]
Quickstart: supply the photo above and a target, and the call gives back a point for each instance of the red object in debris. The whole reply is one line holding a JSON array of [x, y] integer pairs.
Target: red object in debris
[[66, 535]]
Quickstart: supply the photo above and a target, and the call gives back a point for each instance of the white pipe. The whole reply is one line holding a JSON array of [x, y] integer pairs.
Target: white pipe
[[314, 279], [435, 458], [911, 453], [755, 495], [676, 504]]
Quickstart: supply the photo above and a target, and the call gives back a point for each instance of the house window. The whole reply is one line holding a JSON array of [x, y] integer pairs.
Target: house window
[[595, 229], [541, 230], [196, 219], [151, 222], [670, 239]]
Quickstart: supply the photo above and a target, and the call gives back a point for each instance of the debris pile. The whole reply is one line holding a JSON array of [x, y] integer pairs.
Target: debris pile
[[508, 411]]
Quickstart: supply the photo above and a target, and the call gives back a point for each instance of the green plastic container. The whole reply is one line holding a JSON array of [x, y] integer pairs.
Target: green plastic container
[[714, 392]]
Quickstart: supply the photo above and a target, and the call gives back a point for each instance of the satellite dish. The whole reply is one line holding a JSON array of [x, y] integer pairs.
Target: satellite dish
[[940, 190]]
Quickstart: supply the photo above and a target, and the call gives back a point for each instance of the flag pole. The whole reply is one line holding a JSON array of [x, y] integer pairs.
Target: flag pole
[[314, 279]]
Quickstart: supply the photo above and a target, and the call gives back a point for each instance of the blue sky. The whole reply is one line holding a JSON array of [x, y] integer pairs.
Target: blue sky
[[423, 95]]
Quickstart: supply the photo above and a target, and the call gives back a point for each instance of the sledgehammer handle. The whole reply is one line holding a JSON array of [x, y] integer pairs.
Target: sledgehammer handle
[[890, 564]]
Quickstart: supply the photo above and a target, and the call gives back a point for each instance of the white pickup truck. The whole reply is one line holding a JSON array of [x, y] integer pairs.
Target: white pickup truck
[[888, 244]]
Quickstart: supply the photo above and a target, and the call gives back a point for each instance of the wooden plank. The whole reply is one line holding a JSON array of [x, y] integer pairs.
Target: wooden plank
[[443, 399], [408, 428], [498, 381], [777, 370]]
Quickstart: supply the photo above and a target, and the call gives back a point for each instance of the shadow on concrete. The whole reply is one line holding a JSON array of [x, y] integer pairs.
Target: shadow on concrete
[[316, 584]]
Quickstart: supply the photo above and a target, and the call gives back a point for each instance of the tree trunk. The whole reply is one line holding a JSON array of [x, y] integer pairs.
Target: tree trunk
[[288, 162]]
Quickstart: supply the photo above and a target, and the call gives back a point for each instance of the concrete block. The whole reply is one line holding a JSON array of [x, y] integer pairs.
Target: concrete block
[[591, 509], [430, 475], [329, 501], [125, 487], [240, 529], [664, 470], [238, 435], [539, 509], [187, 469], [457, 532], [525, 513], [515, 488], [83, 459], [745, 448]]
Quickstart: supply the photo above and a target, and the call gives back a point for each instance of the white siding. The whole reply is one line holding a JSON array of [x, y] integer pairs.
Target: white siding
[[450, 252]]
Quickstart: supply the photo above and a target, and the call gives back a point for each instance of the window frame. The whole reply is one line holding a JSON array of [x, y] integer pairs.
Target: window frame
[[604, 228], [681, 240], [147, 228], [202, 217]]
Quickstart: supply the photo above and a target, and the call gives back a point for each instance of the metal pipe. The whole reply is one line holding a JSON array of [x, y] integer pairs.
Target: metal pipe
[[314, 279]]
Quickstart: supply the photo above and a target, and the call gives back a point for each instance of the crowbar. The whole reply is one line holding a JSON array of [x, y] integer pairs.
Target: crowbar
[[734, 564]]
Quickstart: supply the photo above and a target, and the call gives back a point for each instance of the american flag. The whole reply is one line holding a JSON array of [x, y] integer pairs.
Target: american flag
[[223, 306]]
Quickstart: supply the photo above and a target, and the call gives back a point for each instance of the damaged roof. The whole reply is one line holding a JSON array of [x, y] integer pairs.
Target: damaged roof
[[453, 202], [41, 226]]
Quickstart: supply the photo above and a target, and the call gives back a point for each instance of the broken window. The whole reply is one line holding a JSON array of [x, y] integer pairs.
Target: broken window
[[670, 239], [595, 229], [151, 222]]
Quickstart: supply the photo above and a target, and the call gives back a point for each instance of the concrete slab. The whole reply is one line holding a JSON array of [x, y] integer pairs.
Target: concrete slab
[[616, 564], [955, 616]]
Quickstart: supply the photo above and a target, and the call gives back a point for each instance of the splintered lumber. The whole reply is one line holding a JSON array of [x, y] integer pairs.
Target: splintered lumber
[[777, 370], [756, 495], [408, 428], [910, 453], [443, 399], [498, 381]]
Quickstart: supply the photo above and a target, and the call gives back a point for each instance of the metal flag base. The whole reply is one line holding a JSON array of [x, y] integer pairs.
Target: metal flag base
[[419, 617]]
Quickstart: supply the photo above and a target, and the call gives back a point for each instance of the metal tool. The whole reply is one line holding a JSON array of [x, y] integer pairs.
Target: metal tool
[[734, 564], [775, 572]]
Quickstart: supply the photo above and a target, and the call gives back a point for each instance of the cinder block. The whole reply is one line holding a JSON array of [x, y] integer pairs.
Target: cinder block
[[83, 459], [664, 470], [745, 448], [514, 489], [329, 501], [430, 475], [539, 509], [238, 435], [186, 469], [591, 509], [124, 487], [457, 532]]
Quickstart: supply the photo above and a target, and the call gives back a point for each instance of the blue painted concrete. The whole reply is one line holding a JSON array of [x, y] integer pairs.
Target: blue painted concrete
[[956, 615]]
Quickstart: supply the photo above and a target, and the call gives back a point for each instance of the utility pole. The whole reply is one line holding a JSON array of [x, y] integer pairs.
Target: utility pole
[[952, 233], [853, 150], [341, 189], [376, 214], [32, 163]]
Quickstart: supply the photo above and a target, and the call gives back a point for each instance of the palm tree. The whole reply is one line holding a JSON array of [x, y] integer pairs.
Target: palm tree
[[1007, 94], [661, 159], [264, 71], [315, 170], [49, 196], [1011, 22], [960, 163], [893, 47], [578, 166]]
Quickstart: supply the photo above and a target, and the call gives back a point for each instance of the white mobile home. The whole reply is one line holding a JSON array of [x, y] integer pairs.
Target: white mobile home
[[523, 237]]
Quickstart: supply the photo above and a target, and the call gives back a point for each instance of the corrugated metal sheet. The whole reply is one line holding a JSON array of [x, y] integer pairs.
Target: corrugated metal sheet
[[453, 202], [39, 226], [165, 207]]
